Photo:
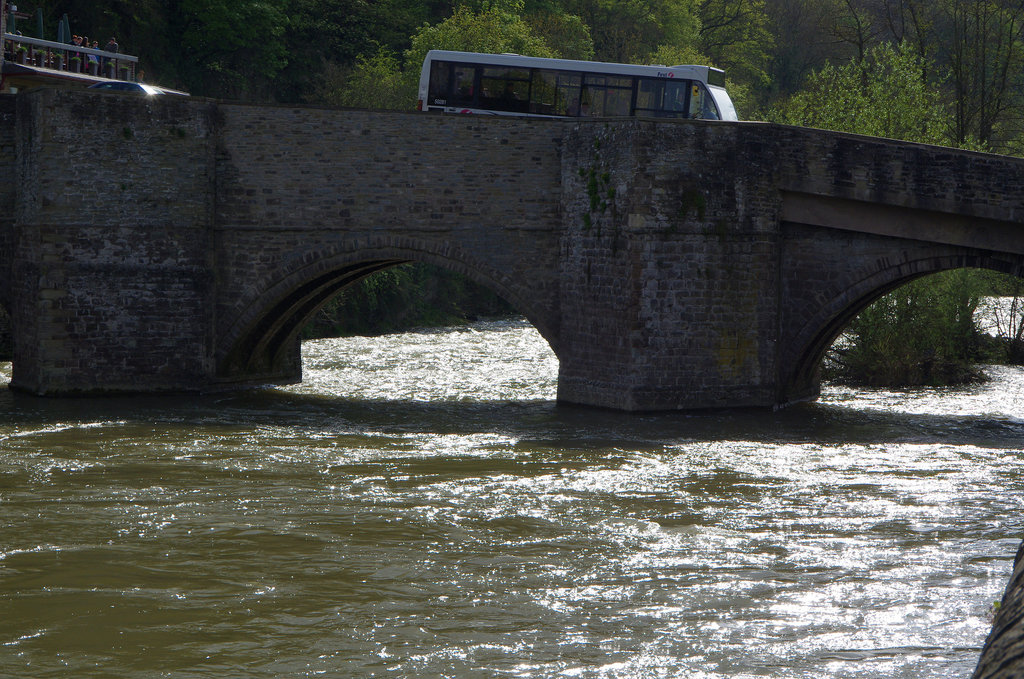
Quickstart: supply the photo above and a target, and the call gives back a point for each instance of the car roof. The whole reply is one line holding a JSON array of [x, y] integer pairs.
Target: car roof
[[124, 86]]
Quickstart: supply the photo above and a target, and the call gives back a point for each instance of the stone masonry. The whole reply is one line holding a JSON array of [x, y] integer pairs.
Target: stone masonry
[[180, 244]]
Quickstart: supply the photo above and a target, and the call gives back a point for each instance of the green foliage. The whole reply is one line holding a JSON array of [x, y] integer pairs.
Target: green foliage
[[402, 297], [924, 333], [735, 35], [228, 46], [884, 96], [568, 35], [494, 29], [375, 81], [672, 55], [631, 31]]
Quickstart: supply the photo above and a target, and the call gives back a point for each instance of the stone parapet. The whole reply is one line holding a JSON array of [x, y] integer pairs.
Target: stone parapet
[[176, 243]]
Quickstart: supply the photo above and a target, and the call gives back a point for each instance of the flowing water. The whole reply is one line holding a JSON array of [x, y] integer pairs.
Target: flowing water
[[420, 507]]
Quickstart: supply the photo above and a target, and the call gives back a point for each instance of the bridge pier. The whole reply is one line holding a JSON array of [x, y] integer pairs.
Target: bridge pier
[[669, 276], [111, 285], [178, 244], [1003, 654]]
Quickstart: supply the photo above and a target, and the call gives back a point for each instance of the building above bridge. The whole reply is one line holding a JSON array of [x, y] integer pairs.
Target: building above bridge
[[27, 62]]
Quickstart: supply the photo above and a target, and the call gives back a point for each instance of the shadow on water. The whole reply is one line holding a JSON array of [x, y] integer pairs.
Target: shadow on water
[[543, 423]]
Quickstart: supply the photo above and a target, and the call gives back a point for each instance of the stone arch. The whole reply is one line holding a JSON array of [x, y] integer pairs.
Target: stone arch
[[805, 345], [259, 339]]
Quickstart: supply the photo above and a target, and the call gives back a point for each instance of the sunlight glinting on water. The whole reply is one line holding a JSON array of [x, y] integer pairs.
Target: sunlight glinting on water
[[419, 507]]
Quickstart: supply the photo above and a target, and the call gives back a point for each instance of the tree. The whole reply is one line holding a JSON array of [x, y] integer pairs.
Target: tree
[[229, 48], [883, 95], [801, 44], [986, 59], [924, 332], [853, 23], [631, 31], [921, 334], [376, 81], [566, 33], [734, 35], [1004, 309], [494, 29]]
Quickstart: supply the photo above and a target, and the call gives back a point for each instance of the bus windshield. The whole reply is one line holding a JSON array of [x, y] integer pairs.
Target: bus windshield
[[509, 84]]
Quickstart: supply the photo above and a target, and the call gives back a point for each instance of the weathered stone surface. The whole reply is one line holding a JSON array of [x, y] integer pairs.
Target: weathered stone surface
[[178, 244], [1003, 654]]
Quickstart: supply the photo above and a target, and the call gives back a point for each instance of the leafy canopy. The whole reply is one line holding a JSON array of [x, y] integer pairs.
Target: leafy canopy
[[884, 95]]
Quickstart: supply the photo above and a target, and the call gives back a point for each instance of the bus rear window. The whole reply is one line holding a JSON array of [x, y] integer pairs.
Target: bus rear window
[[440, 73]]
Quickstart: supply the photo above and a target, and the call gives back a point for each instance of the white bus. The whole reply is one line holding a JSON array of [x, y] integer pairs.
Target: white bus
[[510, 84]]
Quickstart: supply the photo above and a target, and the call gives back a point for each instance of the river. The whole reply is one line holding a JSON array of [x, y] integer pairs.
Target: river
[[420, 507]]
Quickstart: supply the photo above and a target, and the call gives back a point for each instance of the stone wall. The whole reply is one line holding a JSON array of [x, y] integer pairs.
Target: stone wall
[[8, 182], [310, 200], [1003, 654], [113, 254], [8, 194], [668, 275], [175, 243]]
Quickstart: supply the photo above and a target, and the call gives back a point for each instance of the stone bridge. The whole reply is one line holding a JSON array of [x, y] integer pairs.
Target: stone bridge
[[180, 244]]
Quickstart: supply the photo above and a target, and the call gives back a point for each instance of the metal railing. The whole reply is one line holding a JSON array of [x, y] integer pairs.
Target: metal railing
[[58, 56]]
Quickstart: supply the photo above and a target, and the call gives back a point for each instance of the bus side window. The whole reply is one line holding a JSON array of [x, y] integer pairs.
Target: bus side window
[[649, 93], [543, 91], [462, 85], [675, 97], [606, 95], [568, 100], [505, 89]]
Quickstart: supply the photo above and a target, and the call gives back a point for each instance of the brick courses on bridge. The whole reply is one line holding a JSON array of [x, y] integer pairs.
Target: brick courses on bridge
[[335, 195], [180, 244]]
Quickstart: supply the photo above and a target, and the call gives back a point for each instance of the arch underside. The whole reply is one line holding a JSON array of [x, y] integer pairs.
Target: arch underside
[[834, 307], [261, 344], [267, 348]]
